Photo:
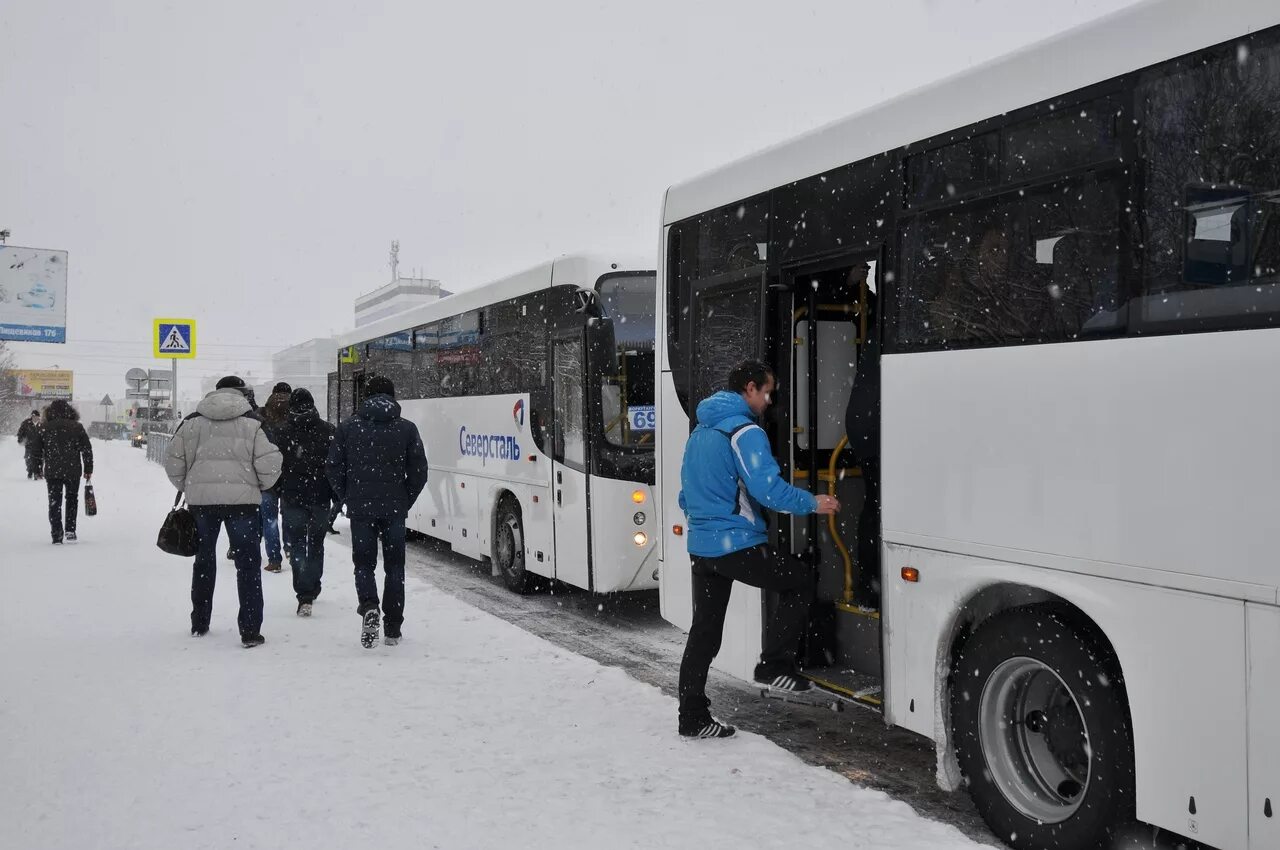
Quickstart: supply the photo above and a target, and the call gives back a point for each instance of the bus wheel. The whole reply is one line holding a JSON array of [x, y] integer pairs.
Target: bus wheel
[[1041, 731], [508, 547]]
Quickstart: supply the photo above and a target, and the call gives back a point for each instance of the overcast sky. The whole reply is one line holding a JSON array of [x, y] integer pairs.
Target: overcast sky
[[248, 163]]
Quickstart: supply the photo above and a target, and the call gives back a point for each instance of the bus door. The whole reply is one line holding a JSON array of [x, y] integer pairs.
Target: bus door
[[570, 452], [831, 324]]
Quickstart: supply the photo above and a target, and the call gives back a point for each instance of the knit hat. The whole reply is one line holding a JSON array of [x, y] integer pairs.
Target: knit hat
[[301, 399], [281, 387], [233, 382], [378, 385]]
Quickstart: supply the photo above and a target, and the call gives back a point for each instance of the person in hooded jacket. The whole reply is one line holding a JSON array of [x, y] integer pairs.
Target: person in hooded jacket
[[727, 478], [305, 493], [222, 460], [28, 437], [275, 413], [377, 467], [65, 454]]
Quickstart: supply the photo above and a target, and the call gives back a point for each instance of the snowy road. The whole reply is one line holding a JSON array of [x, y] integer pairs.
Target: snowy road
[[118, 730]]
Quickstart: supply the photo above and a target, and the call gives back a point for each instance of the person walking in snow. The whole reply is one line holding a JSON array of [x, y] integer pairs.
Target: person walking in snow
[[28, 437], [377, 467], [65, 454], [221, 458], [305, 493], [275, 413], [727, 478]]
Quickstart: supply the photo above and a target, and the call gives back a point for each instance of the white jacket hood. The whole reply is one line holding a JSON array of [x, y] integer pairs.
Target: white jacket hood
[[223, 404]]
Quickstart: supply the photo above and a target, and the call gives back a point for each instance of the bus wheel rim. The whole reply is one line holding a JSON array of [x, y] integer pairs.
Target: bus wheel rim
[[509, 544], [1034, 740]]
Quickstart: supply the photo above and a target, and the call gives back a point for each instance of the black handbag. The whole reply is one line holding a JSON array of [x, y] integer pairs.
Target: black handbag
[[90, 501], [178, 535]]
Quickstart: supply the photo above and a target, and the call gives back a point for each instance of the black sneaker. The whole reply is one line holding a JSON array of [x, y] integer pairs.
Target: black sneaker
[[57, 542], [250, 641], [709, 728], [304, 609], [392, 639], [70, 537], [369, 628], [199, 632], [792, 683]]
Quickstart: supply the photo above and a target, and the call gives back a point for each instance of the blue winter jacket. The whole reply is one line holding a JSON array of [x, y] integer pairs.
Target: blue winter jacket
[[727, 474], [377, 465]]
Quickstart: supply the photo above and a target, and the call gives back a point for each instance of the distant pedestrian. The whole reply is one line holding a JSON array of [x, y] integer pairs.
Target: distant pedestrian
[[377, 467], [274, 415], [727, 478], [305, 493], [28, 437], [221, 458], [65, 455]]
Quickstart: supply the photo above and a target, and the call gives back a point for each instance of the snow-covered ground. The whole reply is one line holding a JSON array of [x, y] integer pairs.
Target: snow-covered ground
[[119, 730]]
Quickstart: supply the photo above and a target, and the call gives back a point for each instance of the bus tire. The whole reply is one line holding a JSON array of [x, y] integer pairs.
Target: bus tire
[[508, 547], [1041, 730]]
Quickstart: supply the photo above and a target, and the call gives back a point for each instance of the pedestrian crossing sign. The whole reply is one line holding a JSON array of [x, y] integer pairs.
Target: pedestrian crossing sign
[[174, 338]]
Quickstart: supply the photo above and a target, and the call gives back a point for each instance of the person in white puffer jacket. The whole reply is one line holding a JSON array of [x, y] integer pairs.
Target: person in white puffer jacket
[[222, 460]]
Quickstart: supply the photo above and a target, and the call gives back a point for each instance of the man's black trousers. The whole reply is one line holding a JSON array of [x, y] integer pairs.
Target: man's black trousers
[[713, 579]]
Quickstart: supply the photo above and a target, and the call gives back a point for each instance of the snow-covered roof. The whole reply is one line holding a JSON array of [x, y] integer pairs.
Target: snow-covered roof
[[1116, 44]]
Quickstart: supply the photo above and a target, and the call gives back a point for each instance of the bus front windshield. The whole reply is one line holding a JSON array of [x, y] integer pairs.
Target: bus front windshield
[[629, 300]]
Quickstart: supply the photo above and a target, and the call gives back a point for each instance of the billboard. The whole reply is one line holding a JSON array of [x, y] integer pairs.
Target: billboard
[[42, 384], [33, 294]]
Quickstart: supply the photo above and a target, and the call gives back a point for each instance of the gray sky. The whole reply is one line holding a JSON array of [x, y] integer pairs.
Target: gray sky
[[248, 163]]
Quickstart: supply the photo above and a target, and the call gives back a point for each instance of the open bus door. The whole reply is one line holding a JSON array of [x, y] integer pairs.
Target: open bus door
[[829, 349]]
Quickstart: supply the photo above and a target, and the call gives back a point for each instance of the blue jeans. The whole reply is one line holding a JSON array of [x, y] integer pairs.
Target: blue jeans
[[244, 529], [306, 526], [271, 526], [365, 532]]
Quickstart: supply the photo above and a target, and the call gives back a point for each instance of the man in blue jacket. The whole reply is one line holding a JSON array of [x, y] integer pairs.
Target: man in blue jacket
[[727, 479], [377, 466]]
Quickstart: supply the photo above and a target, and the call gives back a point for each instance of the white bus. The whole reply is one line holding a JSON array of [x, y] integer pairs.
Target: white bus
[[1067, 396], [534, 397]]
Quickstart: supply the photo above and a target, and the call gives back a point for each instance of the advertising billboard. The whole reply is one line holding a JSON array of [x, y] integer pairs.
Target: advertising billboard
[[42, 384], [33, 294]]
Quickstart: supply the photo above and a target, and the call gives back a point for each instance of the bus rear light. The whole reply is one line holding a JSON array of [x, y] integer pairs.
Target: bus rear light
[[533, 458], [639, 538], [637, 496], [677, 530], [910, 574], [535, 500]]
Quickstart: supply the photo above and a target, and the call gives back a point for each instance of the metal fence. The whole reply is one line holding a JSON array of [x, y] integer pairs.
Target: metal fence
[[157, 445]]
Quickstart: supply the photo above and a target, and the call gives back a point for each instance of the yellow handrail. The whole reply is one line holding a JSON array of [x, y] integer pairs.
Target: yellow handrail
[[831, 521]]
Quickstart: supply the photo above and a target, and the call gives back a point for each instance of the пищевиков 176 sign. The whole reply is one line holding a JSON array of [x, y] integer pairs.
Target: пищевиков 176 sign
[[33, 294], [174, 338]]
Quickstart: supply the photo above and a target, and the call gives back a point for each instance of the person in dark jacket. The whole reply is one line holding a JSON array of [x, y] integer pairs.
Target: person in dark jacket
[[65, 454], [29, 438], [275, 413], [377, 467], [305, 493]]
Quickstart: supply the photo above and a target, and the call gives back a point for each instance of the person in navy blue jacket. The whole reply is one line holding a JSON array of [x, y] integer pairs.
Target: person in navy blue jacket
[[728, 477], [378, 466]]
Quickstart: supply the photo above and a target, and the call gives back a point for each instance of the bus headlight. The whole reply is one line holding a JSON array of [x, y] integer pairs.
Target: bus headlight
[[640, 538], [637, 496]]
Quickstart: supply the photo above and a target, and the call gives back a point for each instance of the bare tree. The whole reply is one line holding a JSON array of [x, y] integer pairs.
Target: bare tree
[[11, 404]]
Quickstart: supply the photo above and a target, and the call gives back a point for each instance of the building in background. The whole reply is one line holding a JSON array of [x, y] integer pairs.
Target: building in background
[[309, 363], [401, 294]]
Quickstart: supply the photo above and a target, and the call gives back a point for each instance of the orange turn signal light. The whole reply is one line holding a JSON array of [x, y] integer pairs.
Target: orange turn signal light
[[678, 530], [910, 574], [637, 496]]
